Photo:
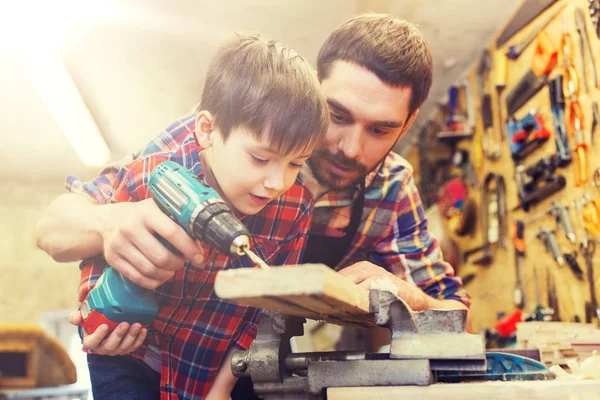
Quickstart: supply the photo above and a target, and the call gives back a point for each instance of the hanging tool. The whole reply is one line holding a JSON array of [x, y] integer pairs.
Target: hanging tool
[[204, 215], [457, 124], [580, 163], [565, 60], [527, 12], [542, 63], [519, 295], [552, 298], [557, 103], [575, 120], [586, 49], [596, 178], [514, 51], [490, 142], [594, 10], [526, 135], [571, 260], [493, 219], [537, 182], [551, 244], [591, 307], [540, 313], [595, 119], [591, 217], [561, 215], [500, 76], [588, 248], [457, 207]]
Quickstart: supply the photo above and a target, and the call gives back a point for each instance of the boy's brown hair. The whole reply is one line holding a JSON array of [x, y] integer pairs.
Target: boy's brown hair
[[267, 87], [391, 48]]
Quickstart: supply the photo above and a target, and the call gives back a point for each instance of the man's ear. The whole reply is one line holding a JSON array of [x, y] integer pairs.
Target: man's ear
[[409, 122], [205, 127]]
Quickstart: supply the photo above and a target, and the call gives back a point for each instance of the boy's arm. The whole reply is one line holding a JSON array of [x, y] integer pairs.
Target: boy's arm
[[224, 382]]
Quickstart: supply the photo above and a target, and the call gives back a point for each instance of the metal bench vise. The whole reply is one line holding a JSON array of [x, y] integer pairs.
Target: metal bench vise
[[424, 344]]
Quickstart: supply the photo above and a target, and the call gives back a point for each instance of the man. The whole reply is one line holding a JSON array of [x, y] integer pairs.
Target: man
[[368, 222]]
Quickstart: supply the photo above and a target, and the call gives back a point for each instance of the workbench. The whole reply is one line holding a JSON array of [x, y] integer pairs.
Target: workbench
[[536, 390]]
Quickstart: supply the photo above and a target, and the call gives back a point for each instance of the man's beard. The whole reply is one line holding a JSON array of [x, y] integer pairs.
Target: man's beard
[[317, 162]]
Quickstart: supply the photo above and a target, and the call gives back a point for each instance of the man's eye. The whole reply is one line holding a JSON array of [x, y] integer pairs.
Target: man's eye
[[338, 118], [377, 131], [258, 160]]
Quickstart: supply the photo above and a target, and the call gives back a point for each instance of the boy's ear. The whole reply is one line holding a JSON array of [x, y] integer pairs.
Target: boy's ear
[[205, 127]]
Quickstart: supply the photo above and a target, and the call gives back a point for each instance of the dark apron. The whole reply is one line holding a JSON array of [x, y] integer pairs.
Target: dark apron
[[330, 250], [319, 249]]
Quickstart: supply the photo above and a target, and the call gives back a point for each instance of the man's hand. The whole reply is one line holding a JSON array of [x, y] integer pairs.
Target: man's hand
[[123, 340], [131, 247], [364, 273]]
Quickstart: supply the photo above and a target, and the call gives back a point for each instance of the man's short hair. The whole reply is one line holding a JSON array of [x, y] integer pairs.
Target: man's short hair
[[269, 88], [391, 48]]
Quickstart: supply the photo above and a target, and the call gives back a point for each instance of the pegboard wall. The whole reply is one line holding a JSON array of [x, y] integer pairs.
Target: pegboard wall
[[492, 286]]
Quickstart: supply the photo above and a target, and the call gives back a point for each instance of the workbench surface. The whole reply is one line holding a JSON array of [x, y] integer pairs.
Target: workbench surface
[[533, 390]]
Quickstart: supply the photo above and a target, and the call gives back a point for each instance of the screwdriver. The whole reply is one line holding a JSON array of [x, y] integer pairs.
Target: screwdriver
[[519, 297]]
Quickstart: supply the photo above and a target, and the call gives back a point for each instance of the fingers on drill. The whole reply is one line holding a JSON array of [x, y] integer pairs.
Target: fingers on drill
[[133, 274], [177, 237], [133, 338]]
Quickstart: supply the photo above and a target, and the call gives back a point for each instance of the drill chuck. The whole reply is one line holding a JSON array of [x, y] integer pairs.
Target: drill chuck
[[214, 224], [198, 208]]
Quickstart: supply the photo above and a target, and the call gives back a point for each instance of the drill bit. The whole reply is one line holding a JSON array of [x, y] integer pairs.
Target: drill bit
[[255, 258]]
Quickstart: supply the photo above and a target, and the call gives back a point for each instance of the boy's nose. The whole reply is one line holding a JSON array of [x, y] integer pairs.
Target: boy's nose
[[275, 181]]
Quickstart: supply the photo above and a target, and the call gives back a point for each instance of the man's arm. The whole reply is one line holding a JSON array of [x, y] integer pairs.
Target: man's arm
[[411, 257], [71, 228]]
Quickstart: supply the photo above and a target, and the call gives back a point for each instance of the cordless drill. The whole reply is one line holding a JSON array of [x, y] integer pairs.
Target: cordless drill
[[205, 217]]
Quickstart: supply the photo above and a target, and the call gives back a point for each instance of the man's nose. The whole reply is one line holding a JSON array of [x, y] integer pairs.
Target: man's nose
[[350, 143]]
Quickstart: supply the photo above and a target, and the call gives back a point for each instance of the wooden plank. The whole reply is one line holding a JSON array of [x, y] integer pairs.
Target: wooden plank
[[535, 390], [310, 290]]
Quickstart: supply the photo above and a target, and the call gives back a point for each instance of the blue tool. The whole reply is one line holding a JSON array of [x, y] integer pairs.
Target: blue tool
[[557, 104], [501, 367], [526, 135]]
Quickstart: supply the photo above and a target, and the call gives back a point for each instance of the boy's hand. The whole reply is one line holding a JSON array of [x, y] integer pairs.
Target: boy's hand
[[131, 247], [364, 273], [123, 340]]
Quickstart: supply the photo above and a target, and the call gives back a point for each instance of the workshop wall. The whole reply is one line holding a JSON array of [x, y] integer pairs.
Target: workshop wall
[[30, 281], [492, 286]]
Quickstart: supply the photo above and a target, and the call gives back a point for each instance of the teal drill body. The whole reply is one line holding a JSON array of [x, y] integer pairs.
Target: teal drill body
[[194, 206]]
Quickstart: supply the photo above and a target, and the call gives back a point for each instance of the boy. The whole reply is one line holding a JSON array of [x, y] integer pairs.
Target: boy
[[260, 116]]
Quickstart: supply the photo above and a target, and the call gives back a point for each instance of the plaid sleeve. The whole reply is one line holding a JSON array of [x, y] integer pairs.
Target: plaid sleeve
[[411, 252], [100, 189], [130, 183]]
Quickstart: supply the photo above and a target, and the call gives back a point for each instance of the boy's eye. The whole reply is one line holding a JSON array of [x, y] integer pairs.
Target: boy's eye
[[259, 160], [296, 165]]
